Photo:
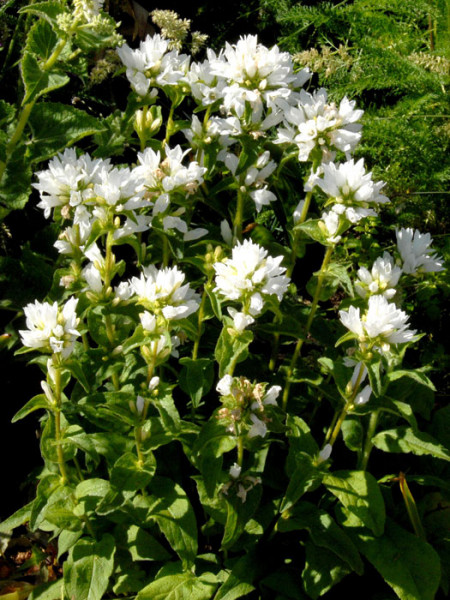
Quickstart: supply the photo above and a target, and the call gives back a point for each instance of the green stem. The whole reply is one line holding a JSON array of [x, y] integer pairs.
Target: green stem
[[169, 126], [239, 216], [312, 314], [27, 108], [348, 406], [166, 251], [58, 437], [240, 451], [201, 312], [296, 236], [368, 445]]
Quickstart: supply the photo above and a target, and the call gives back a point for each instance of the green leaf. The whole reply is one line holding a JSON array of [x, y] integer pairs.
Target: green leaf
[[359, 492], [36, 81], [89, 567], [143, 546], [416, 375], [238, 514], [41, 40], [39, 401], [405, 439], [407, 563], [312, 229], [66, 540], [240, 580], [56, 126], [179, 585], [196, 378], [20, 517], [324, 531], [323, 570], [47, 591], [46, 487], [47, 10], [171, 509], [305, 476], [15, 186], [231, 349], [129, 474], [353, 433]]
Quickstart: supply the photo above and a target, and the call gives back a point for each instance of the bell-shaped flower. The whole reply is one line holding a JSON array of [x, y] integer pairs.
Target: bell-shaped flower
[[417, 256], [381, 279]]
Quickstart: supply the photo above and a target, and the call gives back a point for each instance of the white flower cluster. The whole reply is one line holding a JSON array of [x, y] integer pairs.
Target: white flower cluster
[[51, 328], [416, 254], [249, 277], [382, 323], [245, 404], [315, 124]]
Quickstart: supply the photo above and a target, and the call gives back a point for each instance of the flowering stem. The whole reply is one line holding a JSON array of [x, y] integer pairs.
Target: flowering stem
[[165, 249], [368, 442], [312, 314], [239, 216], [295, 234], [27, 108], [240, 451], [201, 312], [57, 414], [348, 406]]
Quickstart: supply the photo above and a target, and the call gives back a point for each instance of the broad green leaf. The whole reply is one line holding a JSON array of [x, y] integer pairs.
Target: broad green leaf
[[323, 570], [284, 584], [41, 40], [239, 582], [46, 487], [238, 514], [180, 585], [353, 433], [89, 493], [129, 474], [324, 531], [39, 401], [313, 230], [60, 509], [196, 378], [15, 185], [408, 564], [416, 375], [305, 476], [38, 82], [171, 509], [56, 126], [48, 591], [143, 546], [301, 442], [47, 10], [89, 567], [66, 540], [20, 517], [359, 492], [231, 349], [404, 439]]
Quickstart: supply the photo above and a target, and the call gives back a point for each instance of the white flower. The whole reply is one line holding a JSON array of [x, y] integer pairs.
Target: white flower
[[382, 320], [240, 320], [331, 222], [68, 180], [152, 64], [296, 216], [414, 248], [316, 124], [162, 291], [325, 453], [382, 278], [351, 190], [363, 396], [259, 428], [50, 327], [271, 395], [224, 385], [235, 471], [249, 275], [140, 403]]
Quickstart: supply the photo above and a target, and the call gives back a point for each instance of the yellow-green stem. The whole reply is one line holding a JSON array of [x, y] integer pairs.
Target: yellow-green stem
[[368, 442], [201, 312], [240, 451], [311, 316], [58, 437], [348, 406], [239, 216], [27, 108], [169, 125]]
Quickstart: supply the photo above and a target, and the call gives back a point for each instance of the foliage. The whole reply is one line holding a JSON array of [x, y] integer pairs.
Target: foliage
[[224, 348]]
